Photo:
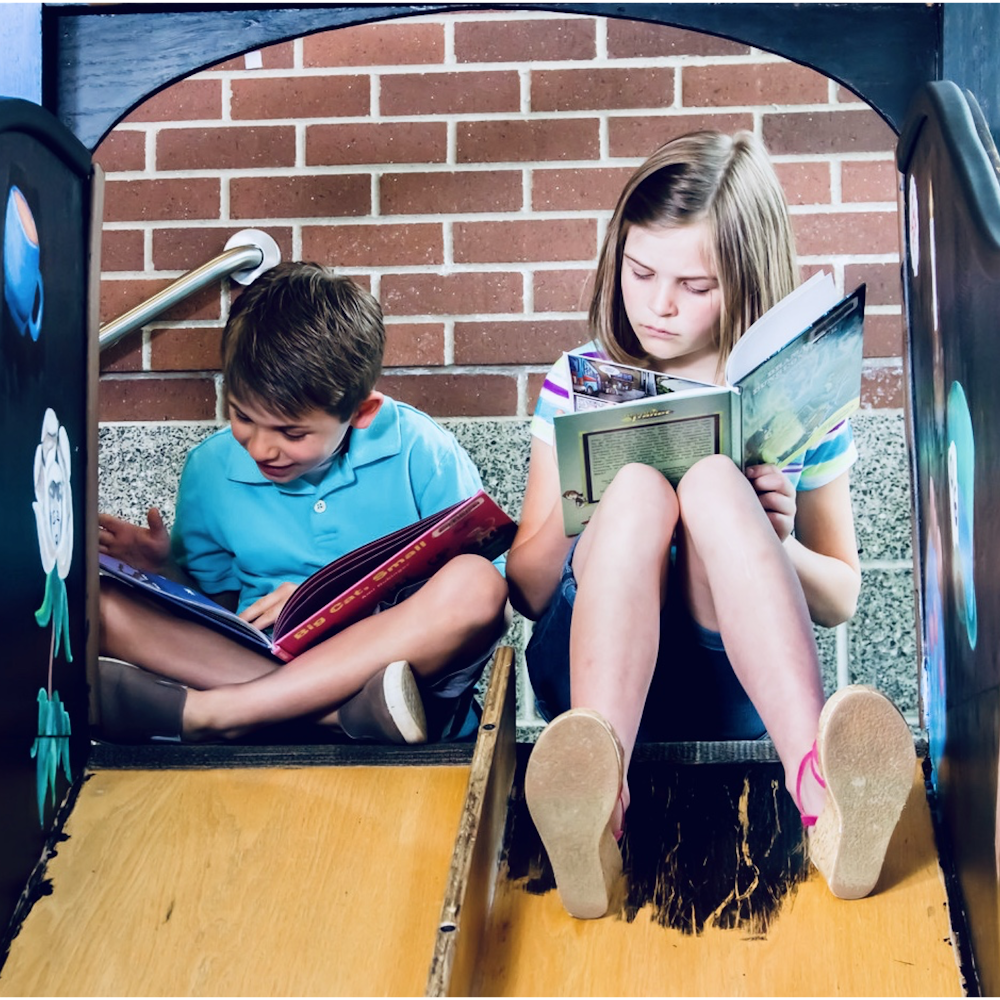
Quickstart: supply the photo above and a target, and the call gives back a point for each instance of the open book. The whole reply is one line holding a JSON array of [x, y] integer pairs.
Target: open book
[[349, 588], [793, 376]]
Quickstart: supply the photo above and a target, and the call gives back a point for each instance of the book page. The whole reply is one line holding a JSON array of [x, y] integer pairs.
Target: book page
[[671, 448]]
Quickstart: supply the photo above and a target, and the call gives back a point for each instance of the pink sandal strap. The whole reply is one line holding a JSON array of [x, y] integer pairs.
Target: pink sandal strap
[[811, 759], [620, 832]]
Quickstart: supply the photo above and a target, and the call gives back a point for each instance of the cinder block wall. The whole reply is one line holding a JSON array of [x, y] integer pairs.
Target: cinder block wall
[[463, 167]]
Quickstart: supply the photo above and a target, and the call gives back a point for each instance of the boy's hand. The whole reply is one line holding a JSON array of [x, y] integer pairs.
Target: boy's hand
[[147, 549], [265, 610], [776, 495]]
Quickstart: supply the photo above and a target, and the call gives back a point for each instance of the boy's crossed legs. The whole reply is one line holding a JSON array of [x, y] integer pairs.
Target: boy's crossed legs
[[453, 620]]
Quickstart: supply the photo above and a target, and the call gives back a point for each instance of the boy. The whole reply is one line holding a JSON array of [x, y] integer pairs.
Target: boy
[[314, 464]]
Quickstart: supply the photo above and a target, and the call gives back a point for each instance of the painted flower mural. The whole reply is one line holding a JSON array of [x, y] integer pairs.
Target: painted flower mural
[[53, 509]]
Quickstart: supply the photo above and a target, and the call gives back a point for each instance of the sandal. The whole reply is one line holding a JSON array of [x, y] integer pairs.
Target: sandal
[[572, 784], [865, 752], [810, 761], [137, 706]]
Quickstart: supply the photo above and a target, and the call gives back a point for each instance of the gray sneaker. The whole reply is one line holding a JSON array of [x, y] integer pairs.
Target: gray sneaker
[[138, 706], [388, 709]]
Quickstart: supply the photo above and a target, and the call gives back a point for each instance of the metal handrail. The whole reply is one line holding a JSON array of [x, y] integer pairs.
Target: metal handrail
[[242, 262]]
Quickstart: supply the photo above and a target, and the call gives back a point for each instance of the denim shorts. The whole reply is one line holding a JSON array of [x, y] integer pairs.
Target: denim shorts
[[449, 698], [694, 694]]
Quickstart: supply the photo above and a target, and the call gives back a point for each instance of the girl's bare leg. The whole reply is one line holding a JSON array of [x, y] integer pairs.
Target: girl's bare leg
[[456, 616], [741, 583], [620, 565]]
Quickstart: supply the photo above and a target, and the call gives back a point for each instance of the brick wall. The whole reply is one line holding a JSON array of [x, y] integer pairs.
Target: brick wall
[[463, 167]]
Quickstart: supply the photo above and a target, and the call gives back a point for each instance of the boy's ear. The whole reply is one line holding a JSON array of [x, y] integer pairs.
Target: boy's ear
[[367, 411]]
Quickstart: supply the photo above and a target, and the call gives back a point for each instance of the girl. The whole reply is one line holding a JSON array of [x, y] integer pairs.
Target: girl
[[730, 569]]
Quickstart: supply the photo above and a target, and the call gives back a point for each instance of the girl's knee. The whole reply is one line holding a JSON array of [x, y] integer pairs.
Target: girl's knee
[[709, 482], [637, 484]]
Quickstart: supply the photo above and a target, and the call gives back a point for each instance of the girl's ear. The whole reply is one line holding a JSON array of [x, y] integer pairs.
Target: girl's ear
[[367, 411]]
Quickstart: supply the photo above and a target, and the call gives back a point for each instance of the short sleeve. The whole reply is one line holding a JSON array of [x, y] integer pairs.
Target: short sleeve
[[553, 398], [833, 456], [195, 542]]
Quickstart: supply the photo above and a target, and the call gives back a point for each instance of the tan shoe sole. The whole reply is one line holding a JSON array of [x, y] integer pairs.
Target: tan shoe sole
[[867, 758], [572, 783]]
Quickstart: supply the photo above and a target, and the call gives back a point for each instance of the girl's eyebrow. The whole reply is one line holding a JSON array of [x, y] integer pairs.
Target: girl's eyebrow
[[683, 277]]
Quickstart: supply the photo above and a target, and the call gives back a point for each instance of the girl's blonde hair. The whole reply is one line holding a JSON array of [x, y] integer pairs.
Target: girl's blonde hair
[[727, 182]]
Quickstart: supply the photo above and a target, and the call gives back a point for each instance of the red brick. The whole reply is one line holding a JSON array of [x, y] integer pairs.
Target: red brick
[[156, 399], [162, 198], [883, 336], [186, 350], [278, 56], [125, 356], [577, 188], [751, 84], [628, 39], [454, 395], [822, 132], [374, 246], [530, 239], [122, 149], [235, 147], [882, 388], [517, 342], [869, 180], [192, 246], [414, 344], [118, 297], [525, 41], [601, 89], [301, 97], [642, 134], [186, 100], [122, 250], [805, 183], [806, 271], [534, 140], [443, 193], [391, 43], [846, 233], [388, 142], [563, 291], [535, 382], [487, 92], [450, 294], [302, 196], [883, 281]]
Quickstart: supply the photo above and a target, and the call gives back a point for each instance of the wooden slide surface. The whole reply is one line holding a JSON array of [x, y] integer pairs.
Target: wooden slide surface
[[319, 881]]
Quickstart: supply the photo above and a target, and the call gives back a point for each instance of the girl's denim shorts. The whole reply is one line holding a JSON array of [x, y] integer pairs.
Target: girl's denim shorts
[[694, 693]]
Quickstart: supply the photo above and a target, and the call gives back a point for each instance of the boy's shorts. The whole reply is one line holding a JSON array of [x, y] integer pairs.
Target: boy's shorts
[[694, 694], [449, 698]]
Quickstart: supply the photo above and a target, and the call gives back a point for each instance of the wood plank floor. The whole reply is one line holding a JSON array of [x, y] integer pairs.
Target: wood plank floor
[[801, 942], [306, 882]]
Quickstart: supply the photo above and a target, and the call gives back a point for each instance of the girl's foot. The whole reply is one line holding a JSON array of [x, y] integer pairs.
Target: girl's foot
[[573, 785], [864, 752]]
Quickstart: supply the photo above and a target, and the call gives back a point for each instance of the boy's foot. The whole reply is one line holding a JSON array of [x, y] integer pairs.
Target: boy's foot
[[138, 706], [572, 785], [388, 709], [865, 754]]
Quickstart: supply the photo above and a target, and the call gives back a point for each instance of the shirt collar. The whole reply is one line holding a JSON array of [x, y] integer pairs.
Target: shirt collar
[[382, 438]]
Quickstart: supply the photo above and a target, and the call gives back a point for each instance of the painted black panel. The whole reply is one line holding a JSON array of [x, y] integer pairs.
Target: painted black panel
[[44, 256]]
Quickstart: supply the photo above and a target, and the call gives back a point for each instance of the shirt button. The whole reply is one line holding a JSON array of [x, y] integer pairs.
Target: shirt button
[[319, 506]]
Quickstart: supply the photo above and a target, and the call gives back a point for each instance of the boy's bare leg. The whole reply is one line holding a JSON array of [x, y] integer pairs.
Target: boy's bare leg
[[620, 565], [456, 616], [141, 632], [741, 583]]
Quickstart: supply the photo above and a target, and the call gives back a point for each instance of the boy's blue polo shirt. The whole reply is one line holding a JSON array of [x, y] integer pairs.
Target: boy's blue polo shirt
[[236, 530]]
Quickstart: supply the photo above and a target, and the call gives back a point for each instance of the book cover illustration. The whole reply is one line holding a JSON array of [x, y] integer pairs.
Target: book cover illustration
[[794, 375]]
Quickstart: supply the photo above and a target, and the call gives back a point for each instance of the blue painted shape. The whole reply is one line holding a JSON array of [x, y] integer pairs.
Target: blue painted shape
[[21, 65]]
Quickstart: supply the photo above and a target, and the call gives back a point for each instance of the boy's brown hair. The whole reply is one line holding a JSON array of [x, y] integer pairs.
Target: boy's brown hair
[[302, 338]]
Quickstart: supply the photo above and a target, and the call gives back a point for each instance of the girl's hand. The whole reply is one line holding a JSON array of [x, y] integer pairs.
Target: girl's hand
[[265, 610], [147, 549], [776, 495]]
